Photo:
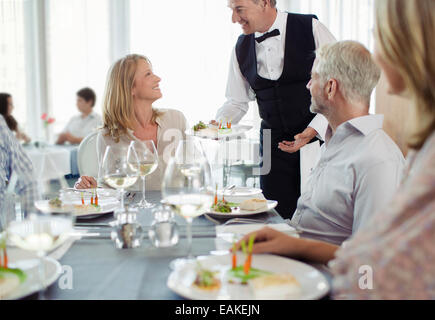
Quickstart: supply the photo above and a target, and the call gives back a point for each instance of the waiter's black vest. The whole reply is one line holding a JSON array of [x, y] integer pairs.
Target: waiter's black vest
[[284, 103], [284, 106]]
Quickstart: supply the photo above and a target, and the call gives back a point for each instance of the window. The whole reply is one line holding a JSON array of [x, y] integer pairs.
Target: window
[[12, 56], [78, 54], [189, 46]]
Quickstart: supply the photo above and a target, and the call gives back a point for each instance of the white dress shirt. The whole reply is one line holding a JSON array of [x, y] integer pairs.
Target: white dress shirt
[[359, 170], [270, 64], [80, 126]]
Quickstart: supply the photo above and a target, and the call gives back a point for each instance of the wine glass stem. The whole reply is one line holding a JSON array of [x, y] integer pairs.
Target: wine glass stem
[[189, 238], [122, 198], [143, 189]]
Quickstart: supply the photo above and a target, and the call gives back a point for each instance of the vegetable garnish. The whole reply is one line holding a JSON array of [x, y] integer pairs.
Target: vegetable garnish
[[5, 257], [92, 197], [205, 279], [96, 197], [215, 196], [248, 262], [199, 126], [83, 200], [18, 272], [234, 254]]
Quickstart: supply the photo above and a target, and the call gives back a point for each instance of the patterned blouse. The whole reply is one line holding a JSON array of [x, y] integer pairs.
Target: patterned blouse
[[393, 256]]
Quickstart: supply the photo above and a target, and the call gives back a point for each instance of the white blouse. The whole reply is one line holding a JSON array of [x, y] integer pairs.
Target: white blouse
[[172, 125]]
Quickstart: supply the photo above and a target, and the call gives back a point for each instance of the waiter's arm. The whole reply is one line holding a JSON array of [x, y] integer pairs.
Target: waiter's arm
[[238, 94], [319, 124]]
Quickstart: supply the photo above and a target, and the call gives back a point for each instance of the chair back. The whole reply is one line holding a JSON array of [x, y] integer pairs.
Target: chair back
[[87, 158]]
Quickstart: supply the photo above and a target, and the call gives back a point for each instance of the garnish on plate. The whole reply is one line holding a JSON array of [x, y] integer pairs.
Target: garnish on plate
[[206, 279], [222, 206], [55, 203], [242, 274], [199, 126]]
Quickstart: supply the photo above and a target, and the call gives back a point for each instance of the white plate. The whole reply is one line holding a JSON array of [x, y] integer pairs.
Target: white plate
[[105, 207], [313, 284], [240, 192], [102, 192], [29, 263], [212, 133], [237, 212]]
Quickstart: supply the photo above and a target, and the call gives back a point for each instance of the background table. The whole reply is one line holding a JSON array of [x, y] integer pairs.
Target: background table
[[49, 162]]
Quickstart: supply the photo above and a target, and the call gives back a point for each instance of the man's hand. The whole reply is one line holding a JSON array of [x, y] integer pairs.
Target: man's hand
[[85, 182], [268, 240], [301, 140]]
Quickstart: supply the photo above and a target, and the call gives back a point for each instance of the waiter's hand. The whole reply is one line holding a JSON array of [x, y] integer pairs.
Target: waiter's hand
[[301, 140]]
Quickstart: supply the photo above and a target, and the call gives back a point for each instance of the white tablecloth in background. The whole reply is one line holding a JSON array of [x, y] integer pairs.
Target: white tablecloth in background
[[49, 162]]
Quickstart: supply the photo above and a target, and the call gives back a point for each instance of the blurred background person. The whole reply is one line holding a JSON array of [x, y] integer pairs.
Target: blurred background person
[[6, 107], [84, 123]]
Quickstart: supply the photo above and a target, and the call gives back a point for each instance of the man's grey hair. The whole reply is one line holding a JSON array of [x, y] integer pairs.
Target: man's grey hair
[[352, 65], [272, 3]]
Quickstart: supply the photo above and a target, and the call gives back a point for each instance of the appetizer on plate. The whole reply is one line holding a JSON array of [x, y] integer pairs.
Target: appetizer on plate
[[10, 279], [275, 285], [254, 204], [212, 131], [206, 279], [55, 203]]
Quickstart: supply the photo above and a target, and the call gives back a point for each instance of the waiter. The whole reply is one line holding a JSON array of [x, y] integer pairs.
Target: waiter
[[271, 63]]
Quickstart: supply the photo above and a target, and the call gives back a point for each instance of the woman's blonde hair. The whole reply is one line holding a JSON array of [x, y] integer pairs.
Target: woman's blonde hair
[[405, 33], [118, 111]]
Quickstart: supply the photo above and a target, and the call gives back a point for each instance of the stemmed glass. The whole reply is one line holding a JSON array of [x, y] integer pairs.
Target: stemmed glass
[[143, 159], [41, 233], [187, 187], [116, 170]]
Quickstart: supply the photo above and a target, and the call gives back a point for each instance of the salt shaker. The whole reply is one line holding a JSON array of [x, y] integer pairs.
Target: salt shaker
[[164, 230], [127, 232]]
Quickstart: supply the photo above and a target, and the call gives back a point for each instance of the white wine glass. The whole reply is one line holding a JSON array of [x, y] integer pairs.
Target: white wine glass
[[143, 159], [116, 171], [41, 233], [187, 187]]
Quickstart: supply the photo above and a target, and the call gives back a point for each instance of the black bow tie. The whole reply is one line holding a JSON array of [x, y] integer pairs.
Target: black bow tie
[[272, 33]]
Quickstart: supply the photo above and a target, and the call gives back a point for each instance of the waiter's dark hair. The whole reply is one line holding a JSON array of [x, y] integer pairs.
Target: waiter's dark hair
[[88, 94], [10, 120]]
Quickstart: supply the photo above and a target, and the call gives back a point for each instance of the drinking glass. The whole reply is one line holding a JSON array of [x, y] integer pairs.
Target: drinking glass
[[116, 171], [41, 233], [143, 159], [187, 187]]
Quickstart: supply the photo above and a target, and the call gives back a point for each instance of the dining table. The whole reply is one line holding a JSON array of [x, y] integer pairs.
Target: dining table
[[97, 270]]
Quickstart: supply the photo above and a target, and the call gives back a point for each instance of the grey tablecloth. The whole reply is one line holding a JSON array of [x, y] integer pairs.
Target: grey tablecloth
[[99, 271]]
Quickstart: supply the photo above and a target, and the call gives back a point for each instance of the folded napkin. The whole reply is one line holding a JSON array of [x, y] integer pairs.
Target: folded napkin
[[243, 229]]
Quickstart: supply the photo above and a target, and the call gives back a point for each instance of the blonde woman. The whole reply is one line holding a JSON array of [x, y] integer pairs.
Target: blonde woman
[[393, 255], [128, 115]]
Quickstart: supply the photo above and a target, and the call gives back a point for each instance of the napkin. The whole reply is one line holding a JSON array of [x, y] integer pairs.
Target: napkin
[[243, 229]]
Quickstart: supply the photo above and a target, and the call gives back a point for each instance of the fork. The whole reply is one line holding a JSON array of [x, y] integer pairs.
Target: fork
[[244, 221]]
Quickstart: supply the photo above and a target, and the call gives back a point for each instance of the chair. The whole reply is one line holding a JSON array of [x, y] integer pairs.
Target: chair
[[87, 159]]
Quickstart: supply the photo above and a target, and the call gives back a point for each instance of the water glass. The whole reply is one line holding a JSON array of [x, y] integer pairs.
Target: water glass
[[163, 232]]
